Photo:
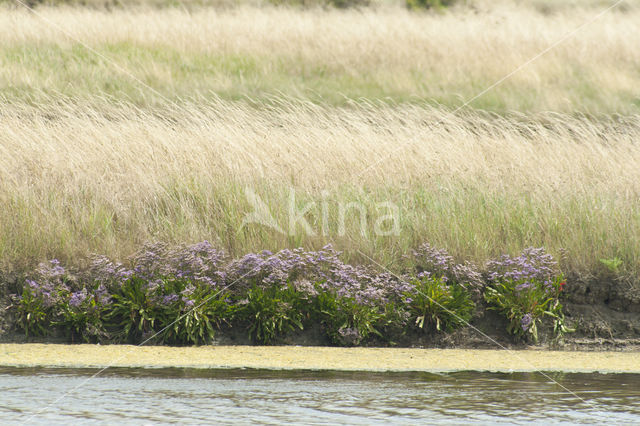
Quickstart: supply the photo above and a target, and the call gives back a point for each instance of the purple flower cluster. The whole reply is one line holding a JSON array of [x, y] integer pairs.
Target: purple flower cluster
[[104, 271], [46, 291], [524, 286], [102, 296], [77, 298], [169, 299], [50, 283], [266, 268], [431, 261], [526, 322], [365, 286], [51, 270], [55, 286], [304, 268], [533, 264], [199, 263]]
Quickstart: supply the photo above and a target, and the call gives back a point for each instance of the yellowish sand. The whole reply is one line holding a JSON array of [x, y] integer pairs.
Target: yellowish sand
[[314, 358]]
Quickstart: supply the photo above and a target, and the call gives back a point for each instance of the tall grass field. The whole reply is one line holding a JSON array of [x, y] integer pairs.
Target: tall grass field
[[258, 127]]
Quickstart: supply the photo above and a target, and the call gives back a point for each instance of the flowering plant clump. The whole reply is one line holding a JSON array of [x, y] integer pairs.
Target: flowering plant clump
[[193, 314], [38, 306], [440, 293], [435, 303], [82, 314], [53, 300], [532, 264], [176, 293], [133, 313], [270, 313], [345, 321], [439, 263], [324, 267], [33, 309], [526, 289], [200, 263], [186, 294], [305, 286]]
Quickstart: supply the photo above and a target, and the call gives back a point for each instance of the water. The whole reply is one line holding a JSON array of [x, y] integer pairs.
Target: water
[[137, 396]]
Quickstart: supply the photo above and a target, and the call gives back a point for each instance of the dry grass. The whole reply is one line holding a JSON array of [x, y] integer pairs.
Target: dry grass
[[80, 178], [91, 161], [328, 54]]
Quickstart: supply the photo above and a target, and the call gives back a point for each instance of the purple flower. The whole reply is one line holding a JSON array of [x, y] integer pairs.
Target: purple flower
[[199, 263], [305, 287], [524, 286], [432, 261], [78, 298], [104, 271], [169, 299], [51, 270], [531, 264], [526, 322], [102, 295]]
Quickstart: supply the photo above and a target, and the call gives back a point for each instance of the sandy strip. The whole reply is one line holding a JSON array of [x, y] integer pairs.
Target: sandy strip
[[314, 358]]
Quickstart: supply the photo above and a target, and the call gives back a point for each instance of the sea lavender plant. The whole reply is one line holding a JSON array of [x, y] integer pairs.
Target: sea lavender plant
[[197, 263], [39, 304], [532, 264], [134, 311], [436, 304], [267, 269], [357, 297], [345, 321], [106, 272], [194, 315], [31, 310], [526, 289], [269, 313], [81, 317], [439, 263]]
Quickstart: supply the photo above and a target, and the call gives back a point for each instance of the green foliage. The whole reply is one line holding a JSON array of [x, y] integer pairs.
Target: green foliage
[[393, 322], [31, 313], [195, 323], [437, 305], [613, 265], [180, 311], [270, 313], [429, 4], [132, 313], [526, 302], [346, 322], [345, 4], [83, 321]]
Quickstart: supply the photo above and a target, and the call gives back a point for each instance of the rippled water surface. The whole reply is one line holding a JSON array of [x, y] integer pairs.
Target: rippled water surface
[[222, 396]]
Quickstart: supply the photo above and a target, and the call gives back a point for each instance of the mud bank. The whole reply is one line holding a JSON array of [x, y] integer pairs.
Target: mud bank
[[314, 358]]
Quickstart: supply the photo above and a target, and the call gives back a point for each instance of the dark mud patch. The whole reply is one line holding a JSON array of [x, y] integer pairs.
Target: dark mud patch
[[605, 314]]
